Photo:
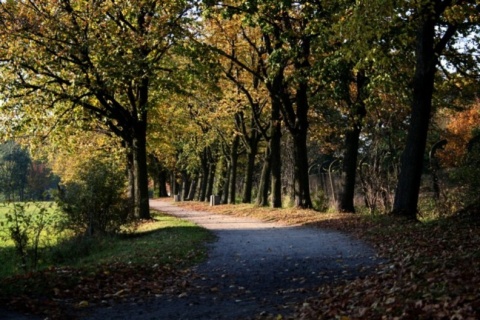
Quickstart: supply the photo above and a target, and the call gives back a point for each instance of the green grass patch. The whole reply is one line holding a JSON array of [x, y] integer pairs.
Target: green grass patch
[[28, 215], [164, 240]]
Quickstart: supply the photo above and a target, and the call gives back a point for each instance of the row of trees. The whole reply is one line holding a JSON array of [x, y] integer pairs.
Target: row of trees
[[22, 178], [199, 87]]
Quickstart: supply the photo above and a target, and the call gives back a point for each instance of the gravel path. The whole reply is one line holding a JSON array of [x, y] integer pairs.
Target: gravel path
[[254, 268]]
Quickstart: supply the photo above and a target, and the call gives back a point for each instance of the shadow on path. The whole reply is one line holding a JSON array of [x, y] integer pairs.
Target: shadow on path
[[253, 268]]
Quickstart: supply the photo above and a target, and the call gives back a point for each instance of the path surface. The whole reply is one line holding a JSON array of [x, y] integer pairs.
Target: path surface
[[253, 268]]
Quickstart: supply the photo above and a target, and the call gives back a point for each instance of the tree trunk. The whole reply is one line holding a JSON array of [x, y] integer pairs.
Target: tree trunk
[[202, 188], [233, 170], [358, 112], [139, 151], [247, 190], [193, 188], [158, 175], [346, 201], [264, 185], [408, 186], [301, 180], [173, 184], [130, 176], [275, 156], [210, 181], [300, 153], [226, 183], [186, 181], [204, 177], [162, 184]]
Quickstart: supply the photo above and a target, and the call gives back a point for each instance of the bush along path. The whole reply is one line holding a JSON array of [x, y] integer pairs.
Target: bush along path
[[254, 269]]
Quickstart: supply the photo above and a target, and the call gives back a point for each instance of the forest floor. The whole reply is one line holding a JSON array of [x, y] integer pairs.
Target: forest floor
[[301, 264]]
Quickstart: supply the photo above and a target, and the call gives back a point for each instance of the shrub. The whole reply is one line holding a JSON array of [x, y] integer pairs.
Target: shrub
[[468, 175], [26, 225], [320, 200], [94, 201]]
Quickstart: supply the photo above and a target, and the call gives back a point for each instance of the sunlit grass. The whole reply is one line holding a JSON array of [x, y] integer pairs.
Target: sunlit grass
[[9, 258], [164, 240]]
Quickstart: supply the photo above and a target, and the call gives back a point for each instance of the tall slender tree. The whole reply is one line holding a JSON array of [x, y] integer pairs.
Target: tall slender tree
[[438, 25]]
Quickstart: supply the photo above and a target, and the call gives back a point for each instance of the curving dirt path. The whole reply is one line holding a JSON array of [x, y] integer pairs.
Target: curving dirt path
[[253, 268]]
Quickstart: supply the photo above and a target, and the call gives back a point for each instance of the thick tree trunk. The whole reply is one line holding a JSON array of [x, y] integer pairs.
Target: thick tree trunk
[[193, 188], [233, 171], [247, 189], [202, 187], [186, 181], [210, 181], [350, 157], [276, 165], [173, 184], [162, 184], [275, 155], [226, 183], [139, 151], [204, 176], [346, 201], [296, 120], [130, 176], [408, 186], [302, 183], [159, 177], [154, 172], [264, 185], [300, 151]]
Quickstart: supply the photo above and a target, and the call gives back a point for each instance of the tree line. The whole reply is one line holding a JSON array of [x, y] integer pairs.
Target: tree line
[[198, 92], [22, 178]]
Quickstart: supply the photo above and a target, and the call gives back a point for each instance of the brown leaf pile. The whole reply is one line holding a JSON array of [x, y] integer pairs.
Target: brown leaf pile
[[432, 273], [432, 269]]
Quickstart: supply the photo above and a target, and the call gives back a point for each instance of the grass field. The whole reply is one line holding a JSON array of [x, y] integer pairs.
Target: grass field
[[9, 259], [164, 240], [30, 208]]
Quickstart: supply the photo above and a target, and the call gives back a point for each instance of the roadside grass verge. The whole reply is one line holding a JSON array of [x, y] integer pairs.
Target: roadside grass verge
[[150, 261], [432, 268], [164, 240]]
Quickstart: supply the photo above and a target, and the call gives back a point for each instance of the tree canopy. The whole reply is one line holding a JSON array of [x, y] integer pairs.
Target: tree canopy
[[246, 95]]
